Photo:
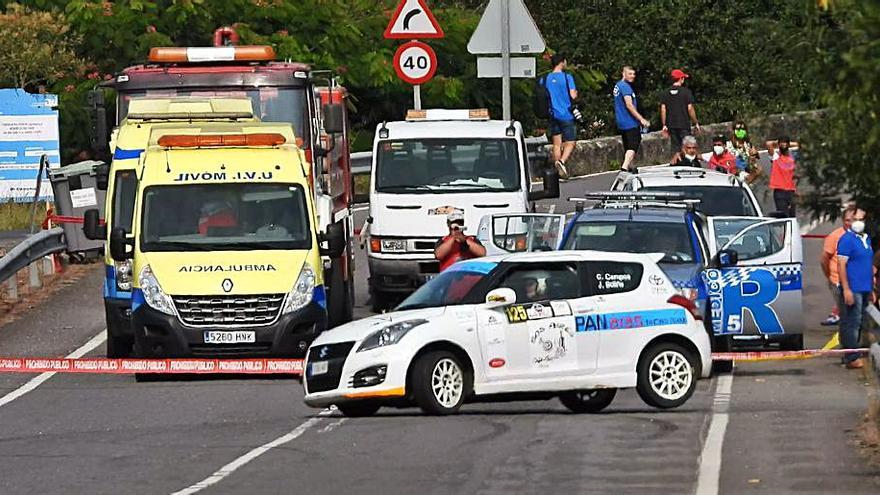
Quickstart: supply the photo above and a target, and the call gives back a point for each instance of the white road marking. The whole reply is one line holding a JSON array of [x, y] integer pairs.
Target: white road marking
[[42, 377], [708, 481], [332, 426], [233, 466]]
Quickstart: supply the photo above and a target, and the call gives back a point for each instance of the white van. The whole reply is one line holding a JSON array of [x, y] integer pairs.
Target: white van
[[434, 163]]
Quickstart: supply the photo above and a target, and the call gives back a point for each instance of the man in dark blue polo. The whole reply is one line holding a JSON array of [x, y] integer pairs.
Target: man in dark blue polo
[[856, 270]]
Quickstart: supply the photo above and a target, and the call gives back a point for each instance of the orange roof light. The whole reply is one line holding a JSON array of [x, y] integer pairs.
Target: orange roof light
[[221, 140], [255, 53]]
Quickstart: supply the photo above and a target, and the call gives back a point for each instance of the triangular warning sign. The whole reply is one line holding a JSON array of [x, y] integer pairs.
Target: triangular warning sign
[[413, 19], [524, 34]]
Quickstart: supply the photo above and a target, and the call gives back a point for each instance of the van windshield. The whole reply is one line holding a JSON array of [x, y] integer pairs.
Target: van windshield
[[224, 217], [447, 165], [669, 238]]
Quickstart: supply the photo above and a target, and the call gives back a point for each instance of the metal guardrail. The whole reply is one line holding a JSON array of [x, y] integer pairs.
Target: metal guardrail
[[30, 250], [362, 162]]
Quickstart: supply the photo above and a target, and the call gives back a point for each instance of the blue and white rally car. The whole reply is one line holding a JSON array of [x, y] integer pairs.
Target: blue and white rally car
[[744, 273], [573, 325]]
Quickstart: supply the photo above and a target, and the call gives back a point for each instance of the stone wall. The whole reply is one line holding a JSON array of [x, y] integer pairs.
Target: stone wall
[[601, 154]]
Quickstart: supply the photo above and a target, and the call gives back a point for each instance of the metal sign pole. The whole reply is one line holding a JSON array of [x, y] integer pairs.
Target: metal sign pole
[[417, 97], [505, 59]]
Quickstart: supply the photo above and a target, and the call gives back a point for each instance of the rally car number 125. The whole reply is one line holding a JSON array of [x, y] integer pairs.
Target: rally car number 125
[[573, 325]]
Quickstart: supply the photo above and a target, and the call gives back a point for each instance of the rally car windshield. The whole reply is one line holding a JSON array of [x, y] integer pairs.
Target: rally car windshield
[[424, 166], [225, 217], [450, 288], [716, 200], [669, 238]]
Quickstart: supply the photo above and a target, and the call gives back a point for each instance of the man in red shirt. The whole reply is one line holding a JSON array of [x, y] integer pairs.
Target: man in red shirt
[[722, 160], [457, 246], [782, 179]]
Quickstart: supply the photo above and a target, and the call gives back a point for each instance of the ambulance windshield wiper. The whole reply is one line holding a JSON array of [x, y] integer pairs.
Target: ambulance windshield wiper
[[401, 189]]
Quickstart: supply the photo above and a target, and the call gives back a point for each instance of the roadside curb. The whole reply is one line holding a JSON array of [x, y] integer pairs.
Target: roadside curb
[[875, 358]]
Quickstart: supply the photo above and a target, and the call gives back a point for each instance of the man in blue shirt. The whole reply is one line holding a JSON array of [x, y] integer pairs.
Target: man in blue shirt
[[856, 269], [628, 117], [561, 93]]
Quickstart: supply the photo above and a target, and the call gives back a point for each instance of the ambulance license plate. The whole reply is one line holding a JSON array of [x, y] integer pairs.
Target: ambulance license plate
[[238, 337], [318, 368]]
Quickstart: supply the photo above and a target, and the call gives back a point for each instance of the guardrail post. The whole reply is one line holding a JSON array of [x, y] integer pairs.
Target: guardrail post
[[48, 265], [34, 279], [12, 288]]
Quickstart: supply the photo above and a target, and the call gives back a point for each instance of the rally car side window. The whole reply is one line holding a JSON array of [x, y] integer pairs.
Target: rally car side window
[[541, 282], [610, 277], [760, 242]]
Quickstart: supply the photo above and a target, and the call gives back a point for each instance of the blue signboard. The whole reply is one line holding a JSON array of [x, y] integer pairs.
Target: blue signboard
[[28, 130]]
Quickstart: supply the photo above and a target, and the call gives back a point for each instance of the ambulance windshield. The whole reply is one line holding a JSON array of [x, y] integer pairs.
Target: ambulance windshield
[[424, 166], [225, 217]]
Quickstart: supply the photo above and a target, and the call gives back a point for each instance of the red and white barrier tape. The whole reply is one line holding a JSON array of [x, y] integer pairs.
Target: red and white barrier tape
[[782, 355], [163, 366]]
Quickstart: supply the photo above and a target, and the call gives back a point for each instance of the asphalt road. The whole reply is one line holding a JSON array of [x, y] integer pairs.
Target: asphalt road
[[787, 428]]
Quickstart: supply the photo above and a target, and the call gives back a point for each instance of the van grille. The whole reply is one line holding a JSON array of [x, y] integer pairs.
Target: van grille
[[210, 311]]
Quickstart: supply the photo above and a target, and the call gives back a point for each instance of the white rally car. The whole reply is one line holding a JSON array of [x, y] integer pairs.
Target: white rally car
[[576, 325]]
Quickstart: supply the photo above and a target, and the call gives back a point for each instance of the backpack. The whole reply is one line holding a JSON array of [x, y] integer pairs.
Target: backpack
[[542, 98]]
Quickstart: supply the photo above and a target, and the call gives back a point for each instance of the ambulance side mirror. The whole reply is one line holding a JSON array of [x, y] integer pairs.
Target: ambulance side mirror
[[92, 228], [119, 244], [102, 176]]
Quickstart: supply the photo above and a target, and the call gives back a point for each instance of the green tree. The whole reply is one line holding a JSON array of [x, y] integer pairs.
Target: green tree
[[842, 149], [35, 47]]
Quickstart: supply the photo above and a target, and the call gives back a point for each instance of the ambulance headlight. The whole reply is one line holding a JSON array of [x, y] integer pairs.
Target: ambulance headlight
[[302, 292], [389, 335], [123, 275], [154, 296]]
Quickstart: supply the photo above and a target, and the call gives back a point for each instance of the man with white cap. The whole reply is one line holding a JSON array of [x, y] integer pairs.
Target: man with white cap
[[457, 246]]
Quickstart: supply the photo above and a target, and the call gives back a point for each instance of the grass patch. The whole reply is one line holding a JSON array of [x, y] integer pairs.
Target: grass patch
[[16, 216]]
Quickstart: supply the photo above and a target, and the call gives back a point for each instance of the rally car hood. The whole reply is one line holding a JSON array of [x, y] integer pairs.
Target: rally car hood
[[424, 215], [206, 273], [357, 330]]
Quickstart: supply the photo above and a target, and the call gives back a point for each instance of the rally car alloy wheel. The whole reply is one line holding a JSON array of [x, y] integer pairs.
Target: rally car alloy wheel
[[440, 383], [666, 376], [588, 401]]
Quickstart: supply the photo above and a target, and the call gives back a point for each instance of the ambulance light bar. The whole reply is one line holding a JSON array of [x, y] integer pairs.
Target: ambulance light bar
[[443, 114], [255, 53], [220, 140]]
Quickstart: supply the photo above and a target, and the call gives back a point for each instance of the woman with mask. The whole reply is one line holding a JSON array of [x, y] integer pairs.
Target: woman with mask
[[746, 155], [782, 179]]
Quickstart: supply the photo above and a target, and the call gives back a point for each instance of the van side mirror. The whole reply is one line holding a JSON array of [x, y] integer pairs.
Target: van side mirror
[[725, 258], [501, 296], [335, 239], [119, 244], [102, 176], [551, 186], [92, 228], [334, 118]]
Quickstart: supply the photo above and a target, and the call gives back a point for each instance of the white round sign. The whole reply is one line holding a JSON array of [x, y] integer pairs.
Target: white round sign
[[415, 62]]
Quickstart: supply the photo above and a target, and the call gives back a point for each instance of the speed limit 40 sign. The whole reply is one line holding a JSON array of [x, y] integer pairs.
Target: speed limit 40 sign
[[415, 62]]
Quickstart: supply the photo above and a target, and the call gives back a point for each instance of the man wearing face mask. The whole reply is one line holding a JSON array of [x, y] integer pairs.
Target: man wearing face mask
[[689, 156], [856, 271], [782, 179], [722, 160]]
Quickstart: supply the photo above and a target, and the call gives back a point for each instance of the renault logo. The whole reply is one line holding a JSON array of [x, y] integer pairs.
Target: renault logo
[[226, 285]]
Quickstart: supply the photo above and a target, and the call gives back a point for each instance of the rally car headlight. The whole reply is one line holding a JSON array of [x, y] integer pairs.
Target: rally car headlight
[[123, 275], [154, 296], [302, 292], [389, 335]]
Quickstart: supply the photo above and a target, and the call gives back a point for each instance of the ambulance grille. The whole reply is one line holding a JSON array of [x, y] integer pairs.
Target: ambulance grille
[[243, 311]]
